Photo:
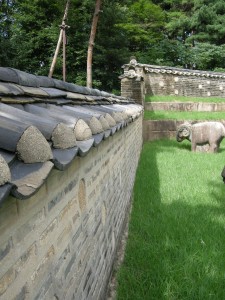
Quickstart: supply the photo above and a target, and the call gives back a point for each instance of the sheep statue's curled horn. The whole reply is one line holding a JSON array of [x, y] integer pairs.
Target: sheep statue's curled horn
[[203, 133]]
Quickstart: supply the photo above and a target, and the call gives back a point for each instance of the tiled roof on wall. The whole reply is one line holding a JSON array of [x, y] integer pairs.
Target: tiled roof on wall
[[45, 123], [172, 70]]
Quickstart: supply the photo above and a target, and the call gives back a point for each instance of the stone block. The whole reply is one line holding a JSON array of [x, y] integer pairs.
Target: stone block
[[6, 280], [65, 213], [46, 235], [34, 203], [70, 265], [55, 200], [22, 295], [29, 226], [88, 282], [60, 263], [56, 180], [71, 185], [46, 286], [8, 216], [5, 249], [63, 236], [24, 262], [43, 266], [76, 217]]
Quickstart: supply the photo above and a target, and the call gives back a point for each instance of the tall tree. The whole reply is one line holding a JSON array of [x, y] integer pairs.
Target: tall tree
[[35, 33], [91, 42], [185, 33], [111, 48], [6, 19], [143, 25], [195, 33]]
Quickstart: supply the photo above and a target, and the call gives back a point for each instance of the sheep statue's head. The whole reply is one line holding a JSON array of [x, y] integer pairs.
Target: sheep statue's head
[[184, 132]]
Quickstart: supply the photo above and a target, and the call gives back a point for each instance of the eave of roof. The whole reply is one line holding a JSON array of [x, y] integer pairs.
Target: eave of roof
[[173, 71], [58, 120]]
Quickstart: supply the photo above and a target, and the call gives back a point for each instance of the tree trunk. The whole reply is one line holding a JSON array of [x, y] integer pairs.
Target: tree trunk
[[91, 42], [61, 35], [56, 54]]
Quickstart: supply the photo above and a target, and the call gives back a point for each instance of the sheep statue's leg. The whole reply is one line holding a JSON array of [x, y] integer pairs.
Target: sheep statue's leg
[[193, 146], [213, 148]]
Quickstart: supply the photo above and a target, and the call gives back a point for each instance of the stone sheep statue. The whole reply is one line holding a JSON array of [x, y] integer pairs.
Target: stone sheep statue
[[200, 134]]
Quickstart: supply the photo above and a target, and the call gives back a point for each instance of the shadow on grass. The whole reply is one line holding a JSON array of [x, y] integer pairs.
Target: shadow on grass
[[176, 241]]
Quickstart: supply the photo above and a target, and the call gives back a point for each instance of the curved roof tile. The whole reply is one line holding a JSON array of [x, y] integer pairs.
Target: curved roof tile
[[59, 121]]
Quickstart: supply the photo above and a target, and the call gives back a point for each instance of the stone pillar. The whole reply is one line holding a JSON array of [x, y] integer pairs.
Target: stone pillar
[[132, 82], [131, 88]]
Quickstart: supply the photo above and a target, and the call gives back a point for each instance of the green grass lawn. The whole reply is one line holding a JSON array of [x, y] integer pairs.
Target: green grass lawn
[[176, 244], [159, 98], [183, 115]]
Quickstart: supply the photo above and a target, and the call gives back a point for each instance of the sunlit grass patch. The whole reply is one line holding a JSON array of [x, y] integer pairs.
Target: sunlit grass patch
[[176, 243]]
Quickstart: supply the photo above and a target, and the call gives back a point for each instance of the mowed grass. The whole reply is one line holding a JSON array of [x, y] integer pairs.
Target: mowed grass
[[170, 98], [183, 115], [176, 243]]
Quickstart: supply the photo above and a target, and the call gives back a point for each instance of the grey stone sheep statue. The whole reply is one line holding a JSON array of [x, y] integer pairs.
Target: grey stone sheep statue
[[203, 133]]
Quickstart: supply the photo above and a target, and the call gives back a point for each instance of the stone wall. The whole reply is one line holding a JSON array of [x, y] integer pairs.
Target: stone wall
[[134, 89], [60, 243], [132, 83], [160, 129], [163, 129], [183, 85], [160, 80], [185, 106]]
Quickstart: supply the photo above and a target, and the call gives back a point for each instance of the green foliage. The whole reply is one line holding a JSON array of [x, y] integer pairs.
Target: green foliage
[[182, 33], [143, 28], [209, 56], [110, 53], [6, 9], [34, 34], [195, 32]]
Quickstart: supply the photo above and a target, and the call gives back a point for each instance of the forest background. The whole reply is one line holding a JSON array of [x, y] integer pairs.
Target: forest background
[[181, 33]]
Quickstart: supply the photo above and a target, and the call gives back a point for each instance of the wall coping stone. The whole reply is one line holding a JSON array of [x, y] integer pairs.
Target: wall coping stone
[[173, 70]]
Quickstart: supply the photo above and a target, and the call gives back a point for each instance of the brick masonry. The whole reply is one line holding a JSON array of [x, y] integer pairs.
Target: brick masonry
[[61, 243], [133, 88], [159, 129], [182, 85], [161, 80], [185, 106]]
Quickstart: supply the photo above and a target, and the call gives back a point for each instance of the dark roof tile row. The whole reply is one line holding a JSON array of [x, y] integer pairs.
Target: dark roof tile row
[[45, 123]]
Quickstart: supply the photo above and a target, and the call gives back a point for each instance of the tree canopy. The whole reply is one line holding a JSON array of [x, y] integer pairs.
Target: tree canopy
[[182, 33]]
